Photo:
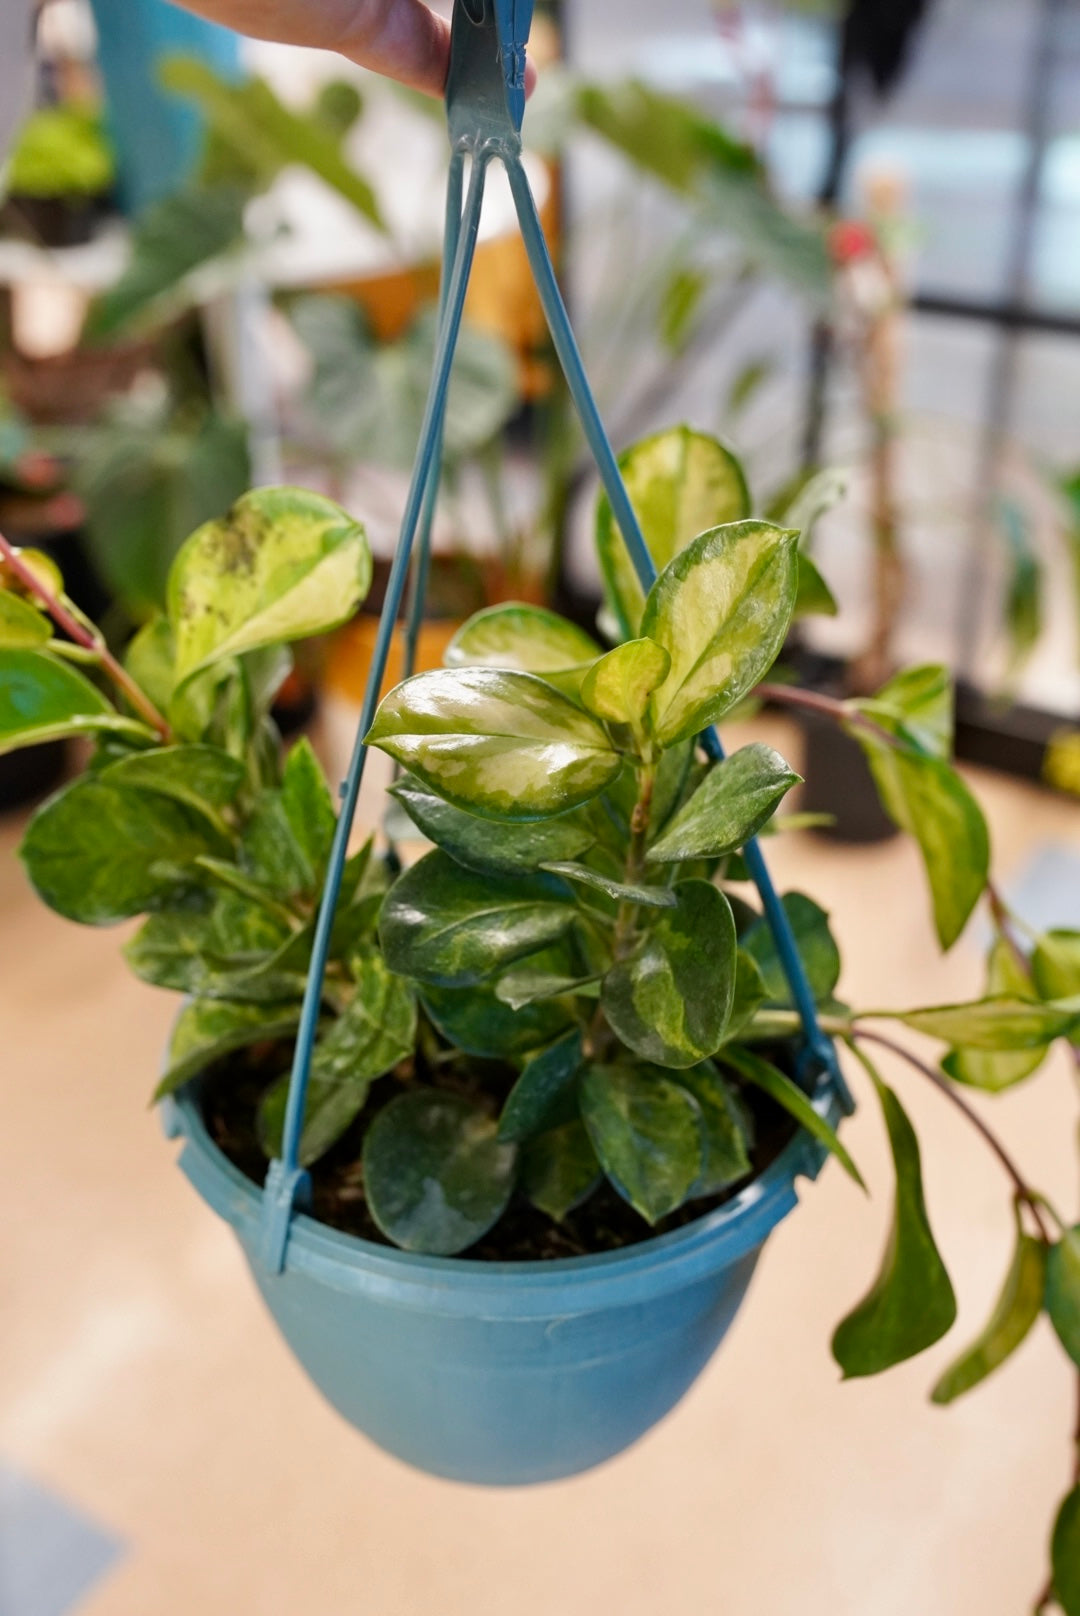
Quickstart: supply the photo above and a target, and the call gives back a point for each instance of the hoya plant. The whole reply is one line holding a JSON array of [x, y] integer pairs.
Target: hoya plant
[[566, 1024]]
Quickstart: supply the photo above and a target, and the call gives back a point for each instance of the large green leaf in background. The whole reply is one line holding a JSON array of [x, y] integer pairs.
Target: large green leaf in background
[[647, 1133], [911, 1303], [44, 699], [681, 483], [671, 999], [730, 806], [97, 853], [995, 1024], [366, 398], [452, 928], [1065, 1554], [721, 610], [1055, 964], [436, 1176], [205, 1030], [470, 840], [506, 745], [917, 706], [545, 1081], [816, 944], [1063, 1291], [279, 565]]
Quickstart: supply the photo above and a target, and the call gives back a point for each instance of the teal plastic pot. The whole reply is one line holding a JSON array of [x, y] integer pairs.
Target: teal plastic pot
[[504, 1373]]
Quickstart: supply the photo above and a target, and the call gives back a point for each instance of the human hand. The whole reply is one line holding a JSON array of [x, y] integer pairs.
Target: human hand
[[404, 39]]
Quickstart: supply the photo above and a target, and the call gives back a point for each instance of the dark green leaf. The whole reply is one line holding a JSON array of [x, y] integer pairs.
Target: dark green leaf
[[1002, 1023], [308, 806], [651, 897], [671, 1001], [1016, 1310], [559, 1169], [280, 565], [43, 699], [1063, 1291], [527, 984], [911, 1304], [529, 639], [450, 927], [648, 1134], [204, 1031], [681, 483], [376, 1030], [779, 1087], [482, 1025], [473, 842], [545, 1081], [817, 950], [721, 610], [749, 993], [97, 854], [1006, 978], [271, 851], [505, 745], [1065, 1554], [730, 806], [436, 1177], [202, 777], [726, 1158]]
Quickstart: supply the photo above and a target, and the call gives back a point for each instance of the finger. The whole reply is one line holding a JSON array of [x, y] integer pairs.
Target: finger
[[402, 38]]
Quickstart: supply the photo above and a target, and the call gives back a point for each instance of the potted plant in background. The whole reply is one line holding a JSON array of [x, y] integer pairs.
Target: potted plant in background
[[565, 1036]]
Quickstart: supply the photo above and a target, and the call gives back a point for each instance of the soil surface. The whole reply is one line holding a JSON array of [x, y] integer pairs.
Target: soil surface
[[232, 1090]]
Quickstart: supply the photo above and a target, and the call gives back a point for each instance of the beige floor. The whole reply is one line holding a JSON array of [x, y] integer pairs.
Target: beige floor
[[140, 1378]]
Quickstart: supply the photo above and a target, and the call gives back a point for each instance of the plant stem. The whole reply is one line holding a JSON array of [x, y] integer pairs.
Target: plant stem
[[841, 712], [1023, 1189], [599, 1032], [65, 619]]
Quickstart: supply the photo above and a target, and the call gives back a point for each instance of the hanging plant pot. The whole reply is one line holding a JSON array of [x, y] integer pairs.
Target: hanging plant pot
[[504, 1373]]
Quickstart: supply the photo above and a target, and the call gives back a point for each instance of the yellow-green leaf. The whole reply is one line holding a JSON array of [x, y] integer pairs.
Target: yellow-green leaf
[[618, 687], [681, 483], [528, 638], [1016, 1310], [21, 624], [721, 610], [280, 565], [997, 1070], [1065, 1554]]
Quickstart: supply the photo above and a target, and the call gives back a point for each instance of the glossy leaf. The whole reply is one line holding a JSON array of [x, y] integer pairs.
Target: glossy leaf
[[204, 1031], [1016, 1310], [472, 842], [21, 624], [1065, 1554], [308, 805], [545, 1081], [176, 949], [559, 1169], [530, 639], [681, 483], [648, 1135], [928, 799], [917, 705], [671, 1000], [452, 928], [726, 1158], [911, 1304], [280, 565], [202, 777], [994, 1024], [730, 806], [436, 1177], [272, 852], [481, 1024], [1063, 1291], [43, 699], [1055, 964], [779, 1087], [376, 1030], [721, 610], [97, 854], [995, 1071], [651, 897], [817, 950], [618, 687], [527, 984], [504, 745]]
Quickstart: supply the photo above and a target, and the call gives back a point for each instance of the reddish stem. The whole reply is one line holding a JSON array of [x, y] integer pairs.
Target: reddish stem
[[71, 626], [812, 701]]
